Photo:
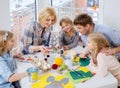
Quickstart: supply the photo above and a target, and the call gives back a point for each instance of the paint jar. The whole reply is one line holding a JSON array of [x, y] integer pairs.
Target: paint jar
[[33, 74]]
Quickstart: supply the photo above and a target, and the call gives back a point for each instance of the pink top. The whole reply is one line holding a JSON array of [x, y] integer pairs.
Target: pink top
[[105, 64]]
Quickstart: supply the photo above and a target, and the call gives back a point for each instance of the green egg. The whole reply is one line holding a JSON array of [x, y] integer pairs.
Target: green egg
[[64, 67]]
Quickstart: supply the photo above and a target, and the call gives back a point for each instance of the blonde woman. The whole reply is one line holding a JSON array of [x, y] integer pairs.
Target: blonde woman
[[101, 63], [68, 36], [8, 77], [37, 35]]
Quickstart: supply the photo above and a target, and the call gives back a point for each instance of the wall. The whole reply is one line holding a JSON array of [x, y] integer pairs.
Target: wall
[[111, 13], [4, 15]]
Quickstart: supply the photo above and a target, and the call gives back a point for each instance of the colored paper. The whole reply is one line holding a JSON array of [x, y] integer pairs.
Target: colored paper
[[42, 83], [80, 75]]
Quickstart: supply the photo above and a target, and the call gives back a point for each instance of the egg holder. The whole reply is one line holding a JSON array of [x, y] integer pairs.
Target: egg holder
[[41, 64]]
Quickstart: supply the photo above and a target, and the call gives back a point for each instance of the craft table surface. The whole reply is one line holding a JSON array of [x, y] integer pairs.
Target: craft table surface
[[95, 82]]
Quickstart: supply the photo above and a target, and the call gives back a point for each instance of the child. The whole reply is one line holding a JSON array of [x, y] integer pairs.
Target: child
[[101, 63], [85, 25], [8, 78], [68, 36]]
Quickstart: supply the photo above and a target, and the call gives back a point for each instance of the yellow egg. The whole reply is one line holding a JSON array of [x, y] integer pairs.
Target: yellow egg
[[59, 61]]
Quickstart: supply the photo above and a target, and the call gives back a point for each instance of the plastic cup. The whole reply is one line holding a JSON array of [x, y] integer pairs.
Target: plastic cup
[[33, 74]]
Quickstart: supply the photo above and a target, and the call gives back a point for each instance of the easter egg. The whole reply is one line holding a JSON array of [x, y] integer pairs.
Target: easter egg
[[59, 61], [54, 66], [63, 67]]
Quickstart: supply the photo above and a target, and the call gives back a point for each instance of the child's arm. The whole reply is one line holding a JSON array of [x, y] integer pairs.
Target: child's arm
[[74, 42], [17, 76], [85, 53], [6, 73], [101, 68]]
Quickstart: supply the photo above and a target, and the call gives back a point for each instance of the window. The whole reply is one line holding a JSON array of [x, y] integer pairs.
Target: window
[[71, 8], [22, 11]]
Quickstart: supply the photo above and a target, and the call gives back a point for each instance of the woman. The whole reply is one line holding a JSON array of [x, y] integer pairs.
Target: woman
[[68, 36], [37, 35]]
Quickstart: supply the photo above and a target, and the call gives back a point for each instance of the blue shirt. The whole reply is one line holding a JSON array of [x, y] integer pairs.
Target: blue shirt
[[6, 70], [112, 35]]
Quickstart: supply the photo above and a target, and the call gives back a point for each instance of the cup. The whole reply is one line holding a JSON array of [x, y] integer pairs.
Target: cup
[[33, 74]]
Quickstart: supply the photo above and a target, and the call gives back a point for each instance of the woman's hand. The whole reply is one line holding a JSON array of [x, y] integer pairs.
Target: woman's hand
[[65, 48], [44, 49], [19, 55], [57, 46]]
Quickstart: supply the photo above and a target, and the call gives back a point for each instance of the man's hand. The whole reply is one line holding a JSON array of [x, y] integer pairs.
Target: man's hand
[[111, 51]]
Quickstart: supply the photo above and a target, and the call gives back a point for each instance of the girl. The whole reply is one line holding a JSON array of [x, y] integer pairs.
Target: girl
[[8, 77], [68, 36], [38, 34], [101, 63]]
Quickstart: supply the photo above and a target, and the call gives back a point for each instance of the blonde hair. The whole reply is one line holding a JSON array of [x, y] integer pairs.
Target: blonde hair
[[5, 36], [45, 13], [68, 21], [100, 41]]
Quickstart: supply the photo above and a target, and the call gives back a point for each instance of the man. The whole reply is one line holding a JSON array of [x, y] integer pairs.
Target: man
[[85, 26]]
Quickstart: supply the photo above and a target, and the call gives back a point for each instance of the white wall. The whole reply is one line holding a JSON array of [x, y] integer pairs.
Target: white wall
[[4, 15], [111, 13]]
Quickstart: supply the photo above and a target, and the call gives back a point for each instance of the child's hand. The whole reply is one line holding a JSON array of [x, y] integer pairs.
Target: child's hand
[[82, 55], [19, 55]]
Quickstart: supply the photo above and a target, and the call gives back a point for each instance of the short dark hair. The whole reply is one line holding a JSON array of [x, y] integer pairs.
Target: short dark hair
[[83, 19]]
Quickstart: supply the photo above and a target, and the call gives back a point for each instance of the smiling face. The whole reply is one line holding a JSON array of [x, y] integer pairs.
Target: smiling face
[[83, 30], [66, 27], [49, 22], [47, 17]]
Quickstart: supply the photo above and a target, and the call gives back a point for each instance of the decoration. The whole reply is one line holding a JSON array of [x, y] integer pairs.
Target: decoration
[[59, 61], [48, 79], [80, 75], [56, 84], [54, 66], [84, 61], [42, 64]]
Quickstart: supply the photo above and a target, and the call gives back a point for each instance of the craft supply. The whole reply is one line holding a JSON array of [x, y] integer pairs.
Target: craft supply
[[80, 75], [54, 66], [46, 81], [33, 74], [64, 67], [84, 61], [58, 61]]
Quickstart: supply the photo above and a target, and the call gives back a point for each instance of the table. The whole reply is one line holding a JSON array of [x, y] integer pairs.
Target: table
[[95, 82]]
